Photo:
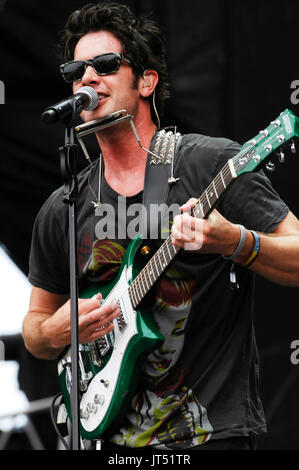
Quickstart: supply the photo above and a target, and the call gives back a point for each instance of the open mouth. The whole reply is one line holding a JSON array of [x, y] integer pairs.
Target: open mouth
[[102, 97]]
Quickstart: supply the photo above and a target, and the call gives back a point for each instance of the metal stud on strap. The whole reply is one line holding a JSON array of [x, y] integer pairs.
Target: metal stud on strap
[[164, 147]]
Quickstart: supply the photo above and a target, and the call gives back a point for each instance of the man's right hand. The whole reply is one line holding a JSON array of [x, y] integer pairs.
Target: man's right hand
[[47, 325]]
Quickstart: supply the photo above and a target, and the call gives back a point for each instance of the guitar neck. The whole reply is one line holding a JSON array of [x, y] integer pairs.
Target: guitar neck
[[167, 251]]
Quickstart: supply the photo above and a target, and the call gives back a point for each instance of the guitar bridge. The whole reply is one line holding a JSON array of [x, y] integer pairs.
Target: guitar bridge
[[85, 375]]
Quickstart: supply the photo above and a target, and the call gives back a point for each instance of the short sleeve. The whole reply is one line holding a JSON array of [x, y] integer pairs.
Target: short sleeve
[[48, 261], [252, 201]]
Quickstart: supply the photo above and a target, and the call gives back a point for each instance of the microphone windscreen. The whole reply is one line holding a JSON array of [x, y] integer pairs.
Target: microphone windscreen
[[92, 94]]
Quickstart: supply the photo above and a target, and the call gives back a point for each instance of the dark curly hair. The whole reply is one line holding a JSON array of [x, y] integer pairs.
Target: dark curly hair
[[141, 39]]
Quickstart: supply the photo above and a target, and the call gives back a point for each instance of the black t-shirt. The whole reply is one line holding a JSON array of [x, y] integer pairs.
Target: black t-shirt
[[202, 382]]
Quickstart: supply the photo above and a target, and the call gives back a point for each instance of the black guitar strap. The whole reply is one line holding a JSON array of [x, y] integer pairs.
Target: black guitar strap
[[158, 179]]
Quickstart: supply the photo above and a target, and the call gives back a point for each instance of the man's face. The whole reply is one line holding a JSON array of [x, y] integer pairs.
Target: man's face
[[116, 91]]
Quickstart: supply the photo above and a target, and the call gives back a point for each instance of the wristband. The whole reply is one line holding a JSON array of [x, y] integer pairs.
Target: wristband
[[240, 244], [255, 251]]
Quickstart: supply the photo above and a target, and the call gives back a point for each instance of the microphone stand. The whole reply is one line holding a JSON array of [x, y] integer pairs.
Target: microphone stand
[[68, 160]]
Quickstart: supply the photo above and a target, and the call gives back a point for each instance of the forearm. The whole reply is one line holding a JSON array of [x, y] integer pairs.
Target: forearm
[[36, 339], [278, 258]]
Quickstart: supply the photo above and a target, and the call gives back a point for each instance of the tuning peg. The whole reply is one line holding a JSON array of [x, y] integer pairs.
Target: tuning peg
[[276, 123], [256, 158], [280, 138], [270, 167], [264, 132], [293, 147], [281, 157], [268, 148]]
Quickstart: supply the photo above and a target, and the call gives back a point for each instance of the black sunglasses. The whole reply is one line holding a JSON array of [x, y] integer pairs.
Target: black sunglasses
[[103, 64]]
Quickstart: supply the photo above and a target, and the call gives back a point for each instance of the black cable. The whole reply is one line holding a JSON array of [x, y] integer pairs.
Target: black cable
[[55, 422]]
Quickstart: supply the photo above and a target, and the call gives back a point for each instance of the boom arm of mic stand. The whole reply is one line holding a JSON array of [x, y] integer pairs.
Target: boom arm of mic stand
[[68, 159]]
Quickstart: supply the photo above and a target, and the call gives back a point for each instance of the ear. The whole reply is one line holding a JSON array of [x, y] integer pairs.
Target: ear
[[148, 82]]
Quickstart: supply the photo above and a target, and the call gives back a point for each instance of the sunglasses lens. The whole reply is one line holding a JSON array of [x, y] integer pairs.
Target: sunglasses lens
[[107, 63], [102, 64], [73, 71]]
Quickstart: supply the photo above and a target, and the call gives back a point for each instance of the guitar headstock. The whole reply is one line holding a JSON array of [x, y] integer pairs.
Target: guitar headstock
[[256, 152]]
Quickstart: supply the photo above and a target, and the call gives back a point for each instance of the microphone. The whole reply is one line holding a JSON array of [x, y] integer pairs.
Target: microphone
[[69, 108]]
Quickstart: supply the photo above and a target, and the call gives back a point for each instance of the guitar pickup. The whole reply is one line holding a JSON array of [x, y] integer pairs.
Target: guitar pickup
[[121, 319], [103, 344], [100, 347]]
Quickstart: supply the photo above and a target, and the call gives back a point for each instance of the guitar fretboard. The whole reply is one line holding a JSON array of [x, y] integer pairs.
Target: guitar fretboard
[[167, 251]]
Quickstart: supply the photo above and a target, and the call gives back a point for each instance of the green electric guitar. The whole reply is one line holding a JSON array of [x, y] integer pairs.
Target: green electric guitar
[[108, 366]]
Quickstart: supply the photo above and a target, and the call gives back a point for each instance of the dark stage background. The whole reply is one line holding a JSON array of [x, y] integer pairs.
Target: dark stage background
[[231, 65]]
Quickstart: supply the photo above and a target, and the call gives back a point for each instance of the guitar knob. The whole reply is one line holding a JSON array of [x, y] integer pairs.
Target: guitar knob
[[293, 147], [281, 157], [270, 167], [84, 414], [99, 399], [91, 408], [105, 383]]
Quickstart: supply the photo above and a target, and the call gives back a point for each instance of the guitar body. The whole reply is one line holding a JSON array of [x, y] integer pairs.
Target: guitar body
[[108, 366]]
